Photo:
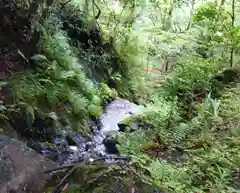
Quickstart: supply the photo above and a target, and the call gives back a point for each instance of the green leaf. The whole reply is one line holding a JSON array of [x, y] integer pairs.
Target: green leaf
[[29, 113], [3, 108], [2, 116], [3, 83], [38, 57]]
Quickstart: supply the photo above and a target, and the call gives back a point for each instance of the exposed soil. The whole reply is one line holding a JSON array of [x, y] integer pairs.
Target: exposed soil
[[17, 45], [160, 151]]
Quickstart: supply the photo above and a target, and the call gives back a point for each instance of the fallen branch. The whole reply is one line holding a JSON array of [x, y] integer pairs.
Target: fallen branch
[[57, 188], [65, 3], [90, 162], [22, 55], [99, 10], [75, 166]]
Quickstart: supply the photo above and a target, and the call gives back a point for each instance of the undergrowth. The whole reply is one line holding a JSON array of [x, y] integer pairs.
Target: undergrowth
[[58, 82], [188, 135], [207, 149]]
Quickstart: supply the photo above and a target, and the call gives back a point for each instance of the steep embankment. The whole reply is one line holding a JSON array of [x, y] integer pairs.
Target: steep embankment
[[52, 78], [54, 90], [18, 44]]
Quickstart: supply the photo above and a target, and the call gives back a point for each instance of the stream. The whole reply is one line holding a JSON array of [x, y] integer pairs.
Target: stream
[[71, 148]]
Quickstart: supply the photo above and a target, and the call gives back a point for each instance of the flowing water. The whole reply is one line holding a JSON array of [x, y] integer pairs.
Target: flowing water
[[72, 149]]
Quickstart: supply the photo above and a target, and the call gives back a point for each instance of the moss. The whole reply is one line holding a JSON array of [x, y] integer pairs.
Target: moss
[[95, 110], [105, 92], [128, 123], [130, 120], [114, 94]]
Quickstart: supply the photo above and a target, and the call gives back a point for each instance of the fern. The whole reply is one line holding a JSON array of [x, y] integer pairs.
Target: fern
[[181, 133]]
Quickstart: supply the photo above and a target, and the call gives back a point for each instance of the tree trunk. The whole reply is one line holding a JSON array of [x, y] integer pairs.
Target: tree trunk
[[232, 46], [191, 4]]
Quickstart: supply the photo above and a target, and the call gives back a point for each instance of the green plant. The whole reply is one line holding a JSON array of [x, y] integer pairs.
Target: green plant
[[188, 136]]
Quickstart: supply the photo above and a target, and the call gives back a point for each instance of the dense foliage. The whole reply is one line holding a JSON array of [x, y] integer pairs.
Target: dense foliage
[[91, 52]]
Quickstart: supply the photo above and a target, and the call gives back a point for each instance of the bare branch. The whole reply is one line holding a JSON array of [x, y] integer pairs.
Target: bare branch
[[88, 163], [99, 10], [65, 3], [75, 166], [22, 55]]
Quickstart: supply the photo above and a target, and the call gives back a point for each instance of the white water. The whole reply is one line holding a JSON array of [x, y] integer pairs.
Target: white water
[[115, 112]]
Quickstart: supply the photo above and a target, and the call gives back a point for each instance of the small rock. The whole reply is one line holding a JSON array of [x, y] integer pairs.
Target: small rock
[[111, 145], [4, 140], [122, 127], [60, 142], [63, 156], [71, 140], [73, 148]]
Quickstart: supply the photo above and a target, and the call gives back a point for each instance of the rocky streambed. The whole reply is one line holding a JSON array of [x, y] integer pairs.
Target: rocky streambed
[[24, 166], [70, 147]]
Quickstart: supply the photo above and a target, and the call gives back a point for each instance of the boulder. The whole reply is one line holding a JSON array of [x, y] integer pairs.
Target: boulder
[[21, 168], [117, 111], [131, 124]]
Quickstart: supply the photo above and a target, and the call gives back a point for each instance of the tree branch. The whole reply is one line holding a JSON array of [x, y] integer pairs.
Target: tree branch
[[99, 10], [75, 166], [65, 3], [88, 163]]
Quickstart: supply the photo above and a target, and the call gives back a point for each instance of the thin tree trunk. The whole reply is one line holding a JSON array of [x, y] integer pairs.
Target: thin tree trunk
[[220, 15], [232, 46], [192, 4]]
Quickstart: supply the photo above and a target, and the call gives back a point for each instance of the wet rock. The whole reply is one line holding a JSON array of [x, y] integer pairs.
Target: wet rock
[[115, 112], [71, 139], [60, 142], [122, 127], [3, 141], [111, 145], [80, 140], [51, 154], [132, 126], [48, 150], [63, 156], [21, 168], [7, 129], [68, 147], [65, 148]]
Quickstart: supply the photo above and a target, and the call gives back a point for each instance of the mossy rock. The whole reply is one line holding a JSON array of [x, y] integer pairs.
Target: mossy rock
[[130, 123], [140, 121]]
